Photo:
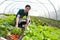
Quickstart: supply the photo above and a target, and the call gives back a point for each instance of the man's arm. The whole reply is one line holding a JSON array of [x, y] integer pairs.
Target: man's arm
[[17, 20], [28, 19]]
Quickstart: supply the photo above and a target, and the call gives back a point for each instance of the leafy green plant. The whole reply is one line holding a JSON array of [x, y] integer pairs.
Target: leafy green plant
[[15, 30], [3, 31]]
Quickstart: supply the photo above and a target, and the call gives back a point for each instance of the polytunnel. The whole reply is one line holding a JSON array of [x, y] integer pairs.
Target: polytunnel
[[45, 13], [44, 8]]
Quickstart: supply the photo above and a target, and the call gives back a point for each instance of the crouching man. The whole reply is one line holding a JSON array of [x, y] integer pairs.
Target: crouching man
[[19, 21]]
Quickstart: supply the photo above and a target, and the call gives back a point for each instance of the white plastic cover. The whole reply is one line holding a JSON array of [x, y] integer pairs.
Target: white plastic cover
[[44, 8]]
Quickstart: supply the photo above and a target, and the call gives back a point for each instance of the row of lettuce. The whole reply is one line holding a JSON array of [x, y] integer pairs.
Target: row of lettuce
[[37, 30], [57, 22]]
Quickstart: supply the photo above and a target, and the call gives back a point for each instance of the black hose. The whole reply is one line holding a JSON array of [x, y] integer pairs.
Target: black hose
[[22, 34]]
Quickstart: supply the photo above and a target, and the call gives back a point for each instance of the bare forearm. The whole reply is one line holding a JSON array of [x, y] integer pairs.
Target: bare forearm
[[28, 19], [17, 20]]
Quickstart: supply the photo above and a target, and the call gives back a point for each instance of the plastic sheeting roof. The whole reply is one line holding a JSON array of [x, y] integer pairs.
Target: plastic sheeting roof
[[44, 8]]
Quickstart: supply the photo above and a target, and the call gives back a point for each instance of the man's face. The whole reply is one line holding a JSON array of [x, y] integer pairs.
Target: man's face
[[27, 9]]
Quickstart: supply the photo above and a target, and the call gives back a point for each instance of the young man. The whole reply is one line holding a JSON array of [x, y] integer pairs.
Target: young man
[[21, 13]]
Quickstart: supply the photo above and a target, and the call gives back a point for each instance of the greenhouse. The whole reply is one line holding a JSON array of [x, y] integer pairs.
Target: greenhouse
[[29, 19]]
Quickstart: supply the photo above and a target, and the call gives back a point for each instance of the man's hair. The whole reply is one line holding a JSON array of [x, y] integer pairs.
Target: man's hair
[[28, 6]]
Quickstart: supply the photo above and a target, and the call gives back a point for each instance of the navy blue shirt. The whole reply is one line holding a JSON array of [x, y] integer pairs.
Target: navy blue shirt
[[22, 13]]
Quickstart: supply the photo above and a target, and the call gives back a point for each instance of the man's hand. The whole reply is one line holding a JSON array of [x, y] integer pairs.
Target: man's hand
[[16, 25], [24, 25]]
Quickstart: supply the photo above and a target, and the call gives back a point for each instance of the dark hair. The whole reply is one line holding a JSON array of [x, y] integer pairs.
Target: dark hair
[[28, 6]]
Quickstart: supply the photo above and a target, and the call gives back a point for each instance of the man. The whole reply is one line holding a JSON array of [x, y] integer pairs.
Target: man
[[21, 13]]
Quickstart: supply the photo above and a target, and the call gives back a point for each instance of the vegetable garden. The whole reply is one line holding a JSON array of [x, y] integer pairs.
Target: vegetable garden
[[37, 30]]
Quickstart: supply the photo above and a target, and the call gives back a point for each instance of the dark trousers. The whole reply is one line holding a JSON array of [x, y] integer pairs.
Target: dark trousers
[[20, 22]]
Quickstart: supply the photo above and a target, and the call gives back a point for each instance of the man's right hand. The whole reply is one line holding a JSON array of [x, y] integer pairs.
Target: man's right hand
[[16, 25]]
